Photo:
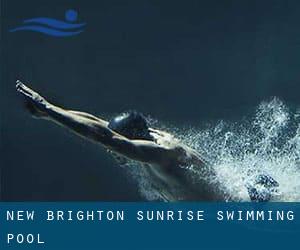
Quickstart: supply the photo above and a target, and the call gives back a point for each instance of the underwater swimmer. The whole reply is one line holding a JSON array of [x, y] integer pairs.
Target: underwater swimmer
[[129, 135]]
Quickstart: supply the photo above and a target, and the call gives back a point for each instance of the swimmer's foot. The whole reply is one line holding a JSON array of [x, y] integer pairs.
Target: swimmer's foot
[[34, 103], [264, 188]]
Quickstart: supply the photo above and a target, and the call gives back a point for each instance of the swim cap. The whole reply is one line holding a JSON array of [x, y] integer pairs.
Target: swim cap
[[132, 125]]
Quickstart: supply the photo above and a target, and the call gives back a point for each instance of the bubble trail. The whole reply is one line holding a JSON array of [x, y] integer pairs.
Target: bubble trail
[[266, 142]]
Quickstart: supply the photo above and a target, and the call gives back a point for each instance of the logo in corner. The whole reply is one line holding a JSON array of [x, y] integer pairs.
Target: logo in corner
[[53, 27]]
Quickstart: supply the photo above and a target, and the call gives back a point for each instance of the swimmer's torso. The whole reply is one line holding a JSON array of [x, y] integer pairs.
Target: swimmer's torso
[[180, 183], [178, 179]]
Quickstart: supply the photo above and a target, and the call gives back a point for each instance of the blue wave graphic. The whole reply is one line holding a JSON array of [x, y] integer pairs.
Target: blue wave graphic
[[53, 23], [47, 31], [55, 27]]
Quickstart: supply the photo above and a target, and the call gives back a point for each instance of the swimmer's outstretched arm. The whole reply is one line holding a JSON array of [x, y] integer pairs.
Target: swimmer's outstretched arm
[[95, 129]]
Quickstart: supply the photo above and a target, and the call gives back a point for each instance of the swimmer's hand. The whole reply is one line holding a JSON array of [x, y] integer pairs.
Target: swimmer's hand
[[35, 103]]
